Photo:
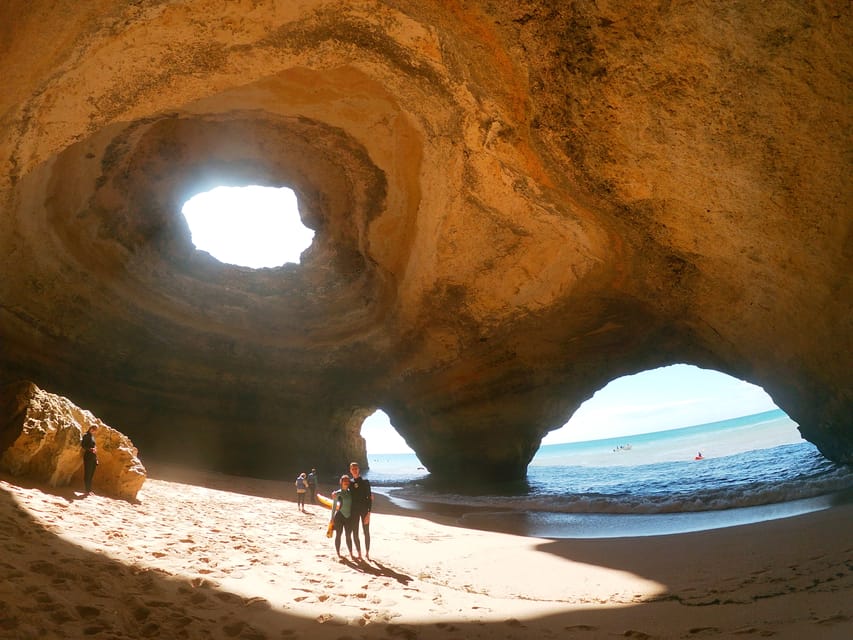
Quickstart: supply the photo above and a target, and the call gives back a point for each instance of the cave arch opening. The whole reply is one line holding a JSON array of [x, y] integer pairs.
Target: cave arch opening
[[674, 397], [388, 454], [252, 226], [679, 449], [755, 465]]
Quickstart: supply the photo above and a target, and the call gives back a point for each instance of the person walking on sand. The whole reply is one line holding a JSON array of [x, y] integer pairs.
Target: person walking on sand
[[312, 485], [90, 458], [362, 505], [342, 515], [301, 488]]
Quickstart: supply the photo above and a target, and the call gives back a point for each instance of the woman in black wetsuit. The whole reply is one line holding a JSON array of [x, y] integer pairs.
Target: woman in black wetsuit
[[342, 515]]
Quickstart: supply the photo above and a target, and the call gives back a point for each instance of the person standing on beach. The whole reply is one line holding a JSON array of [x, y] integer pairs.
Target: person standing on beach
[[342, 515], [312, 485], [90, 458], [301, 488], [362, 505]]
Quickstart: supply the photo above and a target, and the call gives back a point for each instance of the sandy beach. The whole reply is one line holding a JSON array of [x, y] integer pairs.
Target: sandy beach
[[211, 556]]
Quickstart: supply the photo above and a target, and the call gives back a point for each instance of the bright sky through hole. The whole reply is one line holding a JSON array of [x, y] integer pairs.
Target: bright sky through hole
[[667, 398], [251, 226]]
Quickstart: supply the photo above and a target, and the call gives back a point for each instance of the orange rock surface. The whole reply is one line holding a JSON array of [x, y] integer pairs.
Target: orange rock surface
[[514, 203]]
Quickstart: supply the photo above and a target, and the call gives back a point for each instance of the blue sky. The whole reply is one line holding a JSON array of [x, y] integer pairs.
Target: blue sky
[[260, 227]]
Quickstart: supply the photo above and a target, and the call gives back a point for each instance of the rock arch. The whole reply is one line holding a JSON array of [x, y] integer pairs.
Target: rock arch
[[514, 203]]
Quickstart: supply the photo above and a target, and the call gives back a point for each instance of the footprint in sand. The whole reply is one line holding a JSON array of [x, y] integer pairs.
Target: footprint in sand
[[159, 604], [236, 628], [61, 616], [257, 603], [141, 613], [401, 631], [229, 597], [86, 612], [95, 629], [9, 572], [44, 568]]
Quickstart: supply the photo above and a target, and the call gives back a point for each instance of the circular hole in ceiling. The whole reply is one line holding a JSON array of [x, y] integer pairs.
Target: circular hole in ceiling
[[253, 226]]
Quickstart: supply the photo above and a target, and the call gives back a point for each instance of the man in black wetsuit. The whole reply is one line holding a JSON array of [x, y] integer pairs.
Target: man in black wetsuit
[[90, 457], [312, 485], [362, 504]]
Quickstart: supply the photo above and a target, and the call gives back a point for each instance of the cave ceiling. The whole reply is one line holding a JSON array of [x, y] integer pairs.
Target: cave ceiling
[[513, 203]]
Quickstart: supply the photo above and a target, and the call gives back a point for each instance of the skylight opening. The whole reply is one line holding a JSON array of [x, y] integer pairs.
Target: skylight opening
[[253, 226]]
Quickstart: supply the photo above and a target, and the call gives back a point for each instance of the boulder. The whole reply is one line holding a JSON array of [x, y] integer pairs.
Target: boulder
[[40, 437]]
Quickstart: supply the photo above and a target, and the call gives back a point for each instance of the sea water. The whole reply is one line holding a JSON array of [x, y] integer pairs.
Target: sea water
[[725, 473]]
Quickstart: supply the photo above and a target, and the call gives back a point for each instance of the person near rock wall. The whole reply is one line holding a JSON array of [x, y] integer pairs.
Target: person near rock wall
[[90, 458]]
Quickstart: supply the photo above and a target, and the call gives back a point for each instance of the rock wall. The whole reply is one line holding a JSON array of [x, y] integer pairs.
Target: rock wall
[[514, 202], [40, 437]]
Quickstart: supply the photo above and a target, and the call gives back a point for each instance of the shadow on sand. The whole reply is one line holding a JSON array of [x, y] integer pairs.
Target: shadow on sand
[[54, 589]]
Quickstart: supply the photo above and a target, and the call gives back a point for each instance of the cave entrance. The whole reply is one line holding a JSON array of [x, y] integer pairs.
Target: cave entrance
[[677, 397], [390, 458], [253, 226], [677, 449], [631, 451]]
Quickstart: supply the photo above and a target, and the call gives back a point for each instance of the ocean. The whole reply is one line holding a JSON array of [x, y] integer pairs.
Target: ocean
[[750, 469]]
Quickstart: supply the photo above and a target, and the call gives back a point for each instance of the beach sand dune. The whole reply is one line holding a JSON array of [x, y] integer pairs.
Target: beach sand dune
[[211, 556]]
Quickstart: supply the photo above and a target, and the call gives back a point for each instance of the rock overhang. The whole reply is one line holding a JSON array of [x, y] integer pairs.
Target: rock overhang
[[504, 223]]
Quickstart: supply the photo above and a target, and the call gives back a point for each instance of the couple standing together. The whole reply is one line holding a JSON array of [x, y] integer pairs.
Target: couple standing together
[[352, 505]]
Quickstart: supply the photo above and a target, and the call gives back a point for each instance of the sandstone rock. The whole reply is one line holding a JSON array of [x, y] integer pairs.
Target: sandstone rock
[[515, 202], [40, 440]]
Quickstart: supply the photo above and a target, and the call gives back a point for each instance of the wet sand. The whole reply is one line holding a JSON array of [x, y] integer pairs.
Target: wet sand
[[211, 556]]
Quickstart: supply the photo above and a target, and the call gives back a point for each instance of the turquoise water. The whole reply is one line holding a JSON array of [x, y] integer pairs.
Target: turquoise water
[[752, 468]]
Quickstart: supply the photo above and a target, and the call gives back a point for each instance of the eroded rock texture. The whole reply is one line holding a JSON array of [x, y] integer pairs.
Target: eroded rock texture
[[40, 440], [515, 202]]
